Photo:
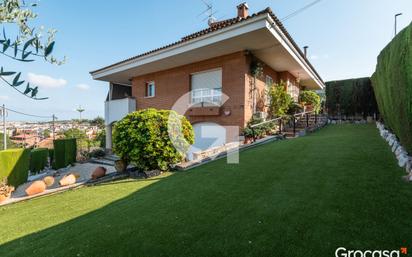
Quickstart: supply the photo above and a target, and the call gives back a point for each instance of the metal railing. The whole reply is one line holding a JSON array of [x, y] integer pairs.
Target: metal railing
[[287, 118]]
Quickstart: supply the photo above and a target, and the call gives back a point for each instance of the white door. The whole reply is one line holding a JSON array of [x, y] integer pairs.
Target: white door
[[207, 135]]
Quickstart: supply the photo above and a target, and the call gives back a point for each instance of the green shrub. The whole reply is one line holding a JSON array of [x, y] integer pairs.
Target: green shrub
[[310, 98], [51, 156], [39, 159], [97, 153], [351, 97], [258, 131], [280, 100], [65, 151], [14, 166], [145, 139], [392, 82]]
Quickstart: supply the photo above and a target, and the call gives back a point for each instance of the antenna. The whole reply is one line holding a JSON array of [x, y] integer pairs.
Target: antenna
[[209, 11]]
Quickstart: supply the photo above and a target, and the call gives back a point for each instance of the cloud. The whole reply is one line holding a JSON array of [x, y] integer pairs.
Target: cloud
[[4, 97], [45, 81], [314, 57], [83, 87]]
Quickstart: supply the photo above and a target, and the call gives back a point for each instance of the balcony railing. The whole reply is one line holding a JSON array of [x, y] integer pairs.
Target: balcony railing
[[117, 109], [207, 95]]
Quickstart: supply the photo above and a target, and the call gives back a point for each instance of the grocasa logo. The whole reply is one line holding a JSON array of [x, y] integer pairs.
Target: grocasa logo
[[343, 252]]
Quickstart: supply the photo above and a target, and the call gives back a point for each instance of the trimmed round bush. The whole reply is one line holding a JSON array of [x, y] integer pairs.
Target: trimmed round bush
[[152, 139]]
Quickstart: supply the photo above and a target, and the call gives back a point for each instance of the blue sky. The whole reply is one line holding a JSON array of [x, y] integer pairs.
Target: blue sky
[[344, 38]]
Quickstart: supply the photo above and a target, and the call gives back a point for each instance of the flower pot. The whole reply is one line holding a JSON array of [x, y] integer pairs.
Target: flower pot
[[4, 198], [49, 181], [69, 179], [35, 188], [99, 172], [120, 165]]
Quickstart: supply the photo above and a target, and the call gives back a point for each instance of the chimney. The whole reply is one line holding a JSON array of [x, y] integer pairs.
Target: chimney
[[305, 51], [242, 10]]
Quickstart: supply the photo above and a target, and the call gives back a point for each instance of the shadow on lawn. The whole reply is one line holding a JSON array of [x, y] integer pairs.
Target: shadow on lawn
[[264, 206], [155, 220]]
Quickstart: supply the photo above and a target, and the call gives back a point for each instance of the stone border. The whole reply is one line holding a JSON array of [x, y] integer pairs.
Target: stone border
[[404, 160]]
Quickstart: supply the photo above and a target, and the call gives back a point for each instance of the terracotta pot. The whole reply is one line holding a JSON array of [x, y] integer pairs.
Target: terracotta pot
[[36, 187], [120, 165], [99, 172], [49, 181], [4, 198], [69, 179]]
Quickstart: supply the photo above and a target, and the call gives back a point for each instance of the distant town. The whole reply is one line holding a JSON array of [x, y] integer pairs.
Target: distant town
[[31, 134]]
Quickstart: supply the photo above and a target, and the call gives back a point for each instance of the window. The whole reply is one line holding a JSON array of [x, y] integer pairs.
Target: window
[[269, 83], [207, 87], [150, 89], [293, 90]]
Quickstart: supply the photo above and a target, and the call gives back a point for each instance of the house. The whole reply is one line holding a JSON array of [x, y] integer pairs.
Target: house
[[211, 71]]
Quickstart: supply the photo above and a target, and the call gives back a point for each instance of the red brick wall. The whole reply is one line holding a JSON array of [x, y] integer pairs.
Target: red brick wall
[[172, 84]]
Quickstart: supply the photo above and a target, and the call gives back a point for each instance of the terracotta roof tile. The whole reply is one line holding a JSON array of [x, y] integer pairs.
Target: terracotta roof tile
[[220, 25]]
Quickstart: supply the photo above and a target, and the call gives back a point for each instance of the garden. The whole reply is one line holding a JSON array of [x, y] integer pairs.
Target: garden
[[340, 187]]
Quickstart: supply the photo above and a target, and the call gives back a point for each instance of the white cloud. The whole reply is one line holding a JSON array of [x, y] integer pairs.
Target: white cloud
[[45, 81], [83, 87], [314, 57], [4, 97]]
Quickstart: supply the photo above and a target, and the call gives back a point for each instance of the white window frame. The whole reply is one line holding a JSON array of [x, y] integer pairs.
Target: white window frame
[[206, 95], [148, 84]]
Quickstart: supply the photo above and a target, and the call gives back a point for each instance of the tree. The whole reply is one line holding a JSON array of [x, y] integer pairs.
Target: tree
[[46, 133], [98, 122], [27, 46], [280, 100], [9, 143]]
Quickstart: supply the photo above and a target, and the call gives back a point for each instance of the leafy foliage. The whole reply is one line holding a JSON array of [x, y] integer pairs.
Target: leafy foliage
[[14, 165], [280, 100], [149, 138], [258, 131], [98, 122], [310, 98], [392, 82], [65, 152], [38, 159], [27, 46], [351, 97]]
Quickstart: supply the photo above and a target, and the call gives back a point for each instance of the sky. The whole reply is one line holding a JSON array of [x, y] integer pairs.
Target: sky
[[344, 39]]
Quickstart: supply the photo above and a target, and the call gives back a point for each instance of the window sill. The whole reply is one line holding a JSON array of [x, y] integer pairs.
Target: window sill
[[148, 97]]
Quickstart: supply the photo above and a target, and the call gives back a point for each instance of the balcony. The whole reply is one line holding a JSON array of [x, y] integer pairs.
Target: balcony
[[205, 102], [115, 110]]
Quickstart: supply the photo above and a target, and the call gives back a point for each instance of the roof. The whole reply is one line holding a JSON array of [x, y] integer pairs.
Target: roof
[[218, 26]]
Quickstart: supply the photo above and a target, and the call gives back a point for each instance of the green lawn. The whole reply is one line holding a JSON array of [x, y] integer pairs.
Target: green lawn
[[305, 197]]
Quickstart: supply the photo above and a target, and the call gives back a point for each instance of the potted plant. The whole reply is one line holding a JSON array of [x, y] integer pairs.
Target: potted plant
[[5, 190], [121, 165]]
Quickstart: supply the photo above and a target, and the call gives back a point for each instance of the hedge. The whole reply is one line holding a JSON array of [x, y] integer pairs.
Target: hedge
[[351, 97], [14, 165], [65, 151], [392, 82], [38, 159]]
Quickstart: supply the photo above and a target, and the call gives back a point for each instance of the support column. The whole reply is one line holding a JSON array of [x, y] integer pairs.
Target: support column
[[109, 138]]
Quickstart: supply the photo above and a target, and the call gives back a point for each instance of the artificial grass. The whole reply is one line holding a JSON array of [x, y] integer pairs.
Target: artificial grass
[[303, 197]]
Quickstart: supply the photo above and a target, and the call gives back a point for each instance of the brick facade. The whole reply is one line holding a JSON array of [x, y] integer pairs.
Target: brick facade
[[237, 83]]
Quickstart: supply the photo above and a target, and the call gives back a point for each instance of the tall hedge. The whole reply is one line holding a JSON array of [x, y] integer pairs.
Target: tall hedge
[[65, 152], [351, 97], [392, 82], [38, 159], [14, 165]]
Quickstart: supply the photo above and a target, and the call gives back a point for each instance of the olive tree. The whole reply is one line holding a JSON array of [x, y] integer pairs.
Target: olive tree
[[26, 45]]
